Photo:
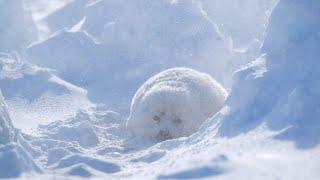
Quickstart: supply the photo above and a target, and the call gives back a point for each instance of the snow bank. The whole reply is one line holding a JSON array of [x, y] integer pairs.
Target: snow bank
[[174, 103], [281, 88], [14, 159], [63, 146], [17, 28], [98, 164], [34, 95], [74, 64], [110, 47], [78, 129], [87, 129], [244, 21]]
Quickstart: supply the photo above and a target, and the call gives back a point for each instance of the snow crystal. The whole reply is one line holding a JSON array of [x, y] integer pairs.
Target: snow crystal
[[174, 103]]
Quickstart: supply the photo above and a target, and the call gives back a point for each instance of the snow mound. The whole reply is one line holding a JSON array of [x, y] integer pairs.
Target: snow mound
[[14, 159], [77, 129], [40, 93], [73, 64], [95, 163], [79, 170], [174, 103], [63, 145]]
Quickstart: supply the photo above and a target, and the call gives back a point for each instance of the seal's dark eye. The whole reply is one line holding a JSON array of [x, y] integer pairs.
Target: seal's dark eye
[[156, 118]]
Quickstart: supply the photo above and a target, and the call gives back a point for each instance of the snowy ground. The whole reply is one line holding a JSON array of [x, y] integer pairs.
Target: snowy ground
[[70, 68]]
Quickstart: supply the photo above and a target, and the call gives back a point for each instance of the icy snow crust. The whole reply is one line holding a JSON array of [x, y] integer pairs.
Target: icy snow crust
[[268, 128], [174, 103]]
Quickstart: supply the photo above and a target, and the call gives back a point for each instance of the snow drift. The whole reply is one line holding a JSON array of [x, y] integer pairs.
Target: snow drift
[[281, 88], [40, 93], [174, 103], [14, 159], [107, 50], [63, 145]]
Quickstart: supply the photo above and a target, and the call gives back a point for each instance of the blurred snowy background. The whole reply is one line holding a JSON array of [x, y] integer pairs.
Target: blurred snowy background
[[70, 68]]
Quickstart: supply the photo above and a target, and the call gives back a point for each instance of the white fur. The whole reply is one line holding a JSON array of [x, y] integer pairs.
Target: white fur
[[174, 103]]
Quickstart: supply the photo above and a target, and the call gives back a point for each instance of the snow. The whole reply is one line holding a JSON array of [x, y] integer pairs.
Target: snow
[[40, 95], [284, 96], [40, 9], [18, 31], [6, 127], [67, 88], [100, 35], [14, 159], [94, 163], [174, 103]]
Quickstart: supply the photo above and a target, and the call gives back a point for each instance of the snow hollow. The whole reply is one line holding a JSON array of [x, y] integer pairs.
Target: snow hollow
[[166, 89]]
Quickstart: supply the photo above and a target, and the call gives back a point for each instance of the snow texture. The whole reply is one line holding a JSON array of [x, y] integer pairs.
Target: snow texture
[[7, 134], [40, 94], [14, 158], [82, 145], [174, 103]]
